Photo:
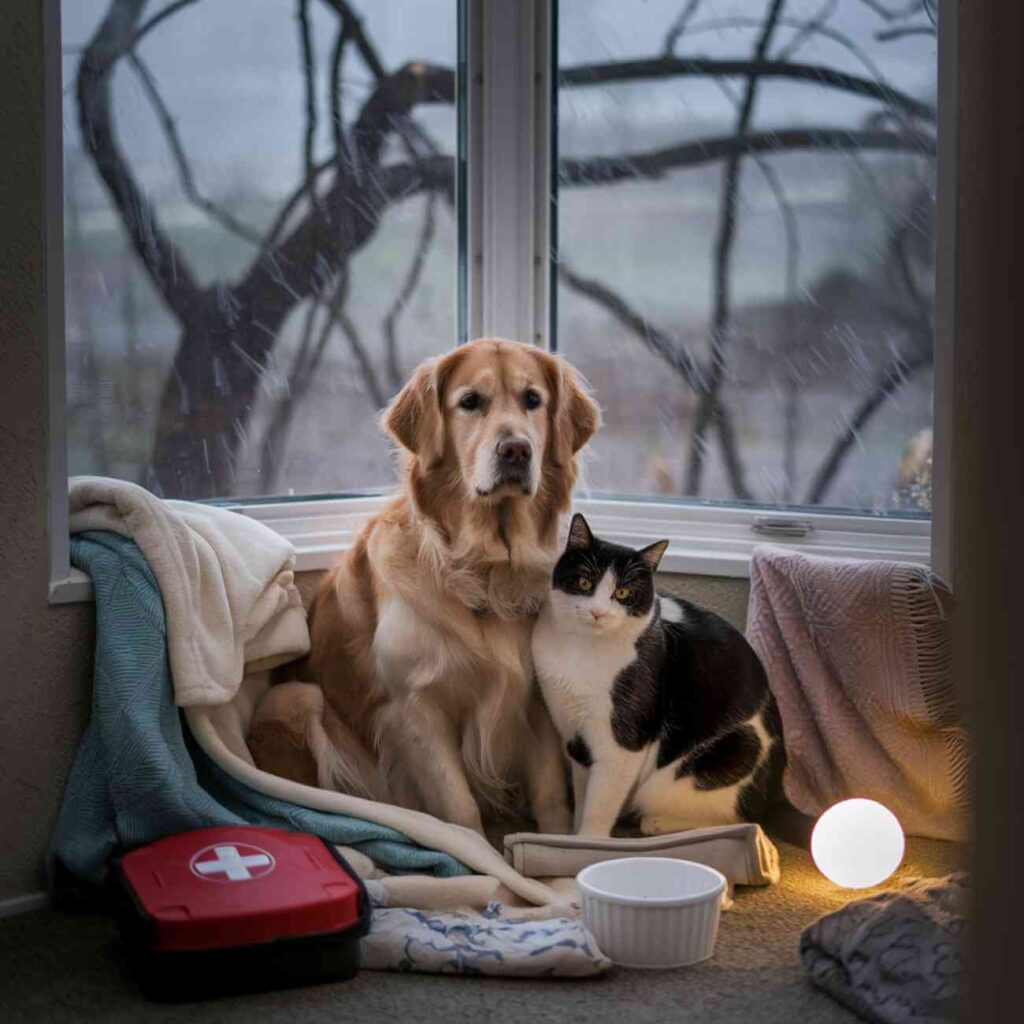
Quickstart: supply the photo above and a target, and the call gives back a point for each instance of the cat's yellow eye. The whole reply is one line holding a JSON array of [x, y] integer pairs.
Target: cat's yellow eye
[[622, 593], [584, 584]]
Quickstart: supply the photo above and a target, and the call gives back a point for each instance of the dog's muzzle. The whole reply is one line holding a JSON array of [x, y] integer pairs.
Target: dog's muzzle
[[513, 463]]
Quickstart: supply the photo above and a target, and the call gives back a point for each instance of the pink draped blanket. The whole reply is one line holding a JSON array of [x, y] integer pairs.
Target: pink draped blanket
[[857, 655]]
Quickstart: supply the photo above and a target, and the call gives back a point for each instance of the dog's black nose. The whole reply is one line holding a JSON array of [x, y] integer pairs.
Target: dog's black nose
[[515, 450]]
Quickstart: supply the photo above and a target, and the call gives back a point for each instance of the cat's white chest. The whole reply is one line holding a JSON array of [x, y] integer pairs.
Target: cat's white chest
[[576, 673]]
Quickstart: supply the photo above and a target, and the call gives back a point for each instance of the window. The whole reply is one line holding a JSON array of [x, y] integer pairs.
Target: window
[[260, 236], [745, 240], [722, 212]]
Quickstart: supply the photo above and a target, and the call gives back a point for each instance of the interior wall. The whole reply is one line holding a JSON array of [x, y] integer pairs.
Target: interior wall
[[988, 485], [727, 597], [43, 650]]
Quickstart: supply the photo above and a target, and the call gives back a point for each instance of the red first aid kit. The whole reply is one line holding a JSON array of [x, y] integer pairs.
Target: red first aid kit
[[223, 910]]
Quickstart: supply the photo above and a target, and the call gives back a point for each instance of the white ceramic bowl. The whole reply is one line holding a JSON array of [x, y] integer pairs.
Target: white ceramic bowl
[[654, 912]]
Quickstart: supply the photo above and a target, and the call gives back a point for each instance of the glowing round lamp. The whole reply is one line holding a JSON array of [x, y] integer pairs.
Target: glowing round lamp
[[857, 843]]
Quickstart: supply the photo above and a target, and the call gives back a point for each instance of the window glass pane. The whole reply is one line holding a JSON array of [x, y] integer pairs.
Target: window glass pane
[[260, 235], [744, 223]]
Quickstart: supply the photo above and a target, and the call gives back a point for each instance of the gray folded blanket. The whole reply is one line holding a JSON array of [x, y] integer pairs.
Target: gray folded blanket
[[894, 957]]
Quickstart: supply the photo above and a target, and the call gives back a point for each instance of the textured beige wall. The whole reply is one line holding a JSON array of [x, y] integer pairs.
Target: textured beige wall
[[727, 597], [45, 652]]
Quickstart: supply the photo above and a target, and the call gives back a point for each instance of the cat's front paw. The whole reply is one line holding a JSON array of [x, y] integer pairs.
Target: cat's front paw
[[653, 825]]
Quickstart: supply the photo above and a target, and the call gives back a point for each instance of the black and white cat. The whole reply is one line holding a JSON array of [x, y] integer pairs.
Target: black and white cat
[[664, 707]]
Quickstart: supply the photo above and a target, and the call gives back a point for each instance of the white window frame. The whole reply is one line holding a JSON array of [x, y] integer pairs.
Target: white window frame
[[508, 132]]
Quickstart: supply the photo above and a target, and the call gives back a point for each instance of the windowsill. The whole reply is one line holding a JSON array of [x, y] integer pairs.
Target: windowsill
[[704, 540]]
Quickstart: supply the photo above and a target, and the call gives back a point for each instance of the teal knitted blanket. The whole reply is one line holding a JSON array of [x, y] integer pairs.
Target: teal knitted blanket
[[138, 776]]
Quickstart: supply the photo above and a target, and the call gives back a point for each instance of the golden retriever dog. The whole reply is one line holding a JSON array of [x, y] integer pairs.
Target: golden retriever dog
[[420, 689]]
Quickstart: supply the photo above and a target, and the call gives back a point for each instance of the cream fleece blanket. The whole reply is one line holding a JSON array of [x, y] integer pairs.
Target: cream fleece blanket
[[228, 584], [857, 655]]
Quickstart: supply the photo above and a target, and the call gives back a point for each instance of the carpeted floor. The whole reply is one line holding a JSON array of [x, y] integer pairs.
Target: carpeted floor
[[66, 968]]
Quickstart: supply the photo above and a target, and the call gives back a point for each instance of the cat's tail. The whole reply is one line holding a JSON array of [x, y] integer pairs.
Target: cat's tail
[[776, 815]]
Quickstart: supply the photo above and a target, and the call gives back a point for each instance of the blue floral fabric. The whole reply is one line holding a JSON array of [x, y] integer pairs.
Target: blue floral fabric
[[403, 939]]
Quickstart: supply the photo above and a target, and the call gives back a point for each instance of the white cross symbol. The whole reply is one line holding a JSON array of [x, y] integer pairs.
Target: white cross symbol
[[231, 863]]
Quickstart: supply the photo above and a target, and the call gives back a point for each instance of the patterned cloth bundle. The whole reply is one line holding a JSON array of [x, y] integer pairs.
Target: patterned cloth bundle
[[894, 957]]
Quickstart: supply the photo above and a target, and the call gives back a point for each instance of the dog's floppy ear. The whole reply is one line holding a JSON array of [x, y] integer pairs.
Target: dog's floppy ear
[[575, 415], [414, 416]]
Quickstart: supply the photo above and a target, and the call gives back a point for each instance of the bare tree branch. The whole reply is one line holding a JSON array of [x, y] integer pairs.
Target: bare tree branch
[[678, 27], [309, 79], [805, 29], [269, 240], [791, 403], [355, 214], [366, 49], [341, 150], [897, 247], [678, 67], [353, 29], [160, 258], [734, 468], [672, 351], [287, 273], [140, 33], [791, 410], [601, 170], [893, 13], [804, 32], [162, 15], [307, 359], [395, 95], [293, 260], [900, 32], [892, 377], [355, 342], [405, 292], [350, 30], [307, 362], [898, 234], [181, 161], [707, 410]]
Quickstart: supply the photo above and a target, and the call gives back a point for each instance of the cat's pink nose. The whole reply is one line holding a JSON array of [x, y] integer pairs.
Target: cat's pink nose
[[598, 615]]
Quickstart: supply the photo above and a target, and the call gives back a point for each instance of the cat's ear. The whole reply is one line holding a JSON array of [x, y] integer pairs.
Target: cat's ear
[[580, 537], [652, 553]]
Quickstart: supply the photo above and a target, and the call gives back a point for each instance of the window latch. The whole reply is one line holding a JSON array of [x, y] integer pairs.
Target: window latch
[[779, 526]]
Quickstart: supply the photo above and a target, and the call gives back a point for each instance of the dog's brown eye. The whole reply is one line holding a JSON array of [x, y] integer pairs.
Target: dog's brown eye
[[469, 401], [532, 398]]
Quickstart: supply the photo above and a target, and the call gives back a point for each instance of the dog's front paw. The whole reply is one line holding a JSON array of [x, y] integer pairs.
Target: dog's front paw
[[594, 831], [557, 822]]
